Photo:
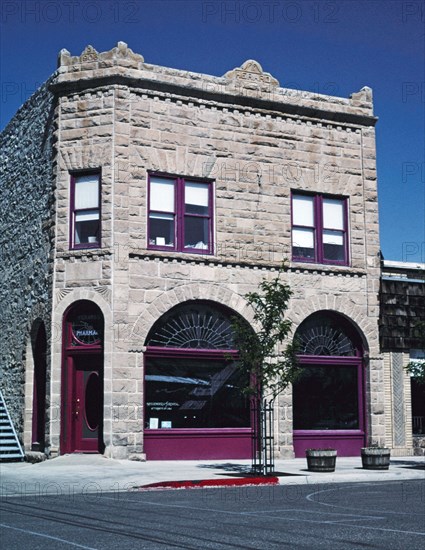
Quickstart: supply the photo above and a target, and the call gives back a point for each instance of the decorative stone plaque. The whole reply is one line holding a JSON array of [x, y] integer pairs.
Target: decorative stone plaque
[[251, 75], [89, 55]]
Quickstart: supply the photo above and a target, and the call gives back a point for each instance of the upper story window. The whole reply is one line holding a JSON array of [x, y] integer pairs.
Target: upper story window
[[85, 210], [319, 229], [180, 215]]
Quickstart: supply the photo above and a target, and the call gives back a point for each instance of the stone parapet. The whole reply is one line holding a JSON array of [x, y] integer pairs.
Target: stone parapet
[[244, 85]]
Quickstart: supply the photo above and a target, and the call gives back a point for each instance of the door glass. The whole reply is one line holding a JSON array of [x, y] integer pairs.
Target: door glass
[[86, 329], [326, 398], [92, 401]]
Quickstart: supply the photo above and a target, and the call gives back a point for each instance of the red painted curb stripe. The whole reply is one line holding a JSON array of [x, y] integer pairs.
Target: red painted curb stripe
[[189, 484]]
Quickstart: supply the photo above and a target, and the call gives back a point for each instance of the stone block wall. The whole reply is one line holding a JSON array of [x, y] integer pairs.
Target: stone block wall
[[258, 142], [26, 234]]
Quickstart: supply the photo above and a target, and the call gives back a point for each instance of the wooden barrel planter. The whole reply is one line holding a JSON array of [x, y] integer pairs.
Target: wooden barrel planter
[[321, 460], [376, 458]]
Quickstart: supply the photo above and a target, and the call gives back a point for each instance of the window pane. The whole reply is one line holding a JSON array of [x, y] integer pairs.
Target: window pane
[[303, 243], [333, 237], [303, 238], [87, 227], [333, 245], [196, 232], [86, 192], [162, 194], [194, 393], [303, 210], [161, 229], [333, 214], [418, 406], [196, 198], [87, 215], [326, 398]]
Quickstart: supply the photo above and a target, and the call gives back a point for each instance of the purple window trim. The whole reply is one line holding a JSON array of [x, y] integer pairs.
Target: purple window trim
[[325, 433], [75, 174], [341, 360], [180, 214], [157, 351], [197, 432], [318, 228]]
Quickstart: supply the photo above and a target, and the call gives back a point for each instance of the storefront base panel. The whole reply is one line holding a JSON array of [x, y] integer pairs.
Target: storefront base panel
[[202, 445], [344, 444]]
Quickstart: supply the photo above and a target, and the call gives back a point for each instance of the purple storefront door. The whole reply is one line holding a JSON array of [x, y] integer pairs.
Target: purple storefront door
[[82, 380], [86, 404]]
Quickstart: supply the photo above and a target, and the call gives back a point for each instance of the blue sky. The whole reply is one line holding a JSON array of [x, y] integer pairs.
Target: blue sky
[[334, 47]]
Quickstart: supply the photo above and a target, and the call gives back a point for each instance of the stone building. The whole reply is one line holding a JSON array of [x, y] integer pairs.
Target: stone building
[[402, 308], [141, 204]]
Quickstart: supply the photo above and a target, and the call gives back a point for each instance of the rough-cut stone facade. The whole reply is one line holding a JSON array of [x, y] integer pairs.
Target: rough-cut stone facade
[[257, 141], [27, 195]]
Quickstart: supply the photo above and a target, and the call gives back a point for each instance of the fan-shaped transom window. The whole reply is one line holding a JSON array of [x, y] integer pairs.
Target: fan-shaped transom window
[[193, 326], [85, 325], [323, 334]]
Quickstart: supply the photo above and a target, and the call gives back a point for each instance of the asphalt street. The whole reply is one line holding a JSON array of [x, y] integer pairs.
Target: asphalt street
[[358, 515]]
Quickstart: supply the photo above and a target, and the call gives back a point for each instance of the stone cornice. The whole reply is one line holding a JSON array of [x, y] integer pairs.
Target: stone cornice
[[247, 86], [65, 88], [195, 259], [86, 253]]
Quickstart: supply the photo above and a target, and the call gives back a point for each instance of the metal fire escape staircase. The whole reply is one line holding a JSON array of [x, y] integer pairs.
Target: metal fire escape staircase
[[10, 448]]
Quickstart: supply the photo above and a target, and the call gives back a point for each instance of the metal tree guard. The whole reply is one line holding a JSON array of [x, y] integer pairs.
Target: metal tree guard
[[263, 436]]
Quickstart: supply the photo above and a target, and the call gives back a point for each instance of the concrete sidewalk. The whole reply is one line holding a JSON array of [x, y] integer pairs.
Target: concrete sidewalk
[[87, 474]]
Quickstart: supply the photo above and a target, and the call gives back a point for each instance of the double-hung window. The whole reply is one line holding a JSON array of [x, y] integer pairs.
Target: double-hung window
[[85, 210], [319, 229], [180, 214]]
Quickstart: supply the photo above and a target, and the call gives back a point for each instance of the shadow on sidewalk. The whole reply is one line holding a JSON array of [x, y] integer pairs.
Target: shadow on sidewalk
[[410, 464], [238, 470]]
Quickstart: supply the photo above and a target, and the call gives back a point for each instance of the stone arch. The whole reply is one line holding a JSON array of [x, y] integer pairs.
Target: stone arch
[[40, 380], [196, 291], [74, 296], [354, 314], [330, 332], [37, 377]]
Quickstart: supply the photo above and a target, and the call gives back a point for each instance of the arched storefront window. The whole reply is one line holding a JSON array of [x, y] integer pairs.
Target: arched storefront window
[[328, 395], [194, 407], [82, 379]]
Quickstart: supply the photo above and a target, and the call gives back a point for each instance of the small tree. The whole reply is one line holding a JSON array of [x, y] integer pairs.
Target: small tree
[[417, 367], [269, 366]]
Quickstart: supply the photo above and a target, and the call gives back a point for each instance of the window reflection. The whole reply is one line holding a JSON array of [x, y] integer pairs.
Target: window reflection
[[192, 393], [326, 398]]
